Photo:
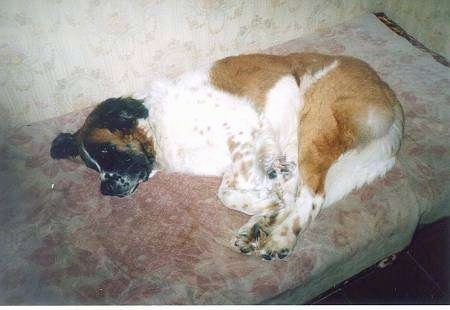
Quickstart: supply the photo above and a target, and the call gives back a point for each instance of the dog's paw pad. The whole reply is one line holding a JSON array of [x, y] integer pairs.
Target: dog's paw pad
[[281, 167], [246, 249], [270, 254], [284, 253], [272, 173], [267, 255]]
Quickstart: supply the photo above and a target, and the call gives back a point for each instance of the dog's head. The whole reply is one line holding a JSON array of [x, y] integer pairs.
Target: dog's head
[[113, 142]]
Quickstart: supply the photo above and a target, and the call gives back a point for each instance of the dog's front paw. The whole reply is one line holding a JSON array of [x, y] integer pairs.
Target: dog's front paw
[[273, 250], [279, 244], [270, 254], [276, 247]]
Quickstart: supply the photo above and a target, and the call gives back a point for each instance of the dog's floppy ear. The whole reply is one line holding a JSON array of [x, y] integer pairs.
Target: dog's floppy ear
[[64, 146], [119, 113]]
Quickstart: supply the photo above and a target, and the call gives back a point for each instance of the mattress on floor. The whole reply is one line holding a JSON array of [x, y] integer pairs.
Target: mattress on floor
[[63, 242]]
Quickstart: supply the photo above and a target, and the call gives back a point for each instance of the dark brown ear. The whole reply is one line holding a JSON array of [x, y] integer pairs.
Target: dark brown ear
[[64, 146], [118, 113]]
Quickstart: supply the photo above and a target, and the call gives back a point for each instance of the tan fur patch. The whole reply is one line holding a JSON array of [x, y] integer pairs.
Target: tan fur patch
[[103, 135], [245, 168], [136, 140], [334, 116], [284, 231], [249, 75], [232, 144], [296, 227], [237, 156], [146, 142], [231, 183]]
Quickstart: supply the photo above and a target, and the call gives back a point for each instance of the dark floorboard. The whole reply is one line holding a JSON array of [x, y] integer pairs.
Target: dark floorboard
[[418, 275]]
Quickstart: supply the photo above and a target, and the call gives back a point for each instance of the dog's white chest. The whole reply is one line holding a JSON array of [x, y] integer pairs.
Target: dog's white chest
[[193, 123]]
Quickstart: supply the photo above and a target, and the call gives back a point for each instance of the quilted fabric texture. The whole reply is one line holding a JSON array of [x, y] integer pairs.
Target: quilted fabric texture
[[63, 242]]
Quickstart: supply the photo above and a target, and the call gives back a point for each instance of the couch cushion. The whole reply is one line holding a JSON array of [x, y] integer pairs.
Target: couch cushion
[[63, 242]]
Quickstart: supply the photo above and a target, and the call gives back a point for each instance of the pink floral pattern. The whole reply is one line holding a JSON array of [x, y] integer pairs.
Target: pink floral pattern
[[63, 242]]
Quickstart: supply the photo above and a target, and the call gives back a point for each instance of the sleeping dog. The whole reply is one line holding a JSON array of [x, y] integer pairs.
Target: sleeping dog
[[289, 135]]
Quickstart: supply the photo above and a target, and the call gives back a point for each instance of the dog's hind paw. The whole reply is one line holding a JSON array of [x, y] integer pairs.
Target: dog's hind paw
[[253, 235], [280, 167]]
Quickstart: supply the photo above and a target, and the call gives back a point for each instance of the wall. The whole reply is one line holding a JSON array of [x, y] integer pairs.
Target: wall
[[57, 56]]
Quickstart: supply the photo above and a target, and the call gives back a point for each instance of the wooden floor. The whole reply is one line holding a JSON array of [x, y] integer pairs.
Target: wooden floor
[[418, 275]]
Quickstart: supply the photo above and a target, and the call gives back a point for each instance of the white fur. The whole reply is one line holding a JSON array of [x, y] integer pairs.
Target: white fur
[[281, 112], [92, 160], [192, 122], [360, 166]]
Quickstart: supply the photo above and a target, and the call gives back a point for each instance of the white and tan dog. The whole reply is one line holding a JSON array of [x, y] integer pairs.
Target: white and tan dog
[[290, 135]]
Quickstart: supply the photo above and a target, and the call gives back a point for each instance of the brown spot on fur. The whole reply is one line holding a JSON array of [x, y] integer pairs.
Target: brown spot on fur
[[231, 183], [237, 156], [246, 145], [245, 167], [296, 228], [273, 206], [232, 144], [273, 218], [284, 231]]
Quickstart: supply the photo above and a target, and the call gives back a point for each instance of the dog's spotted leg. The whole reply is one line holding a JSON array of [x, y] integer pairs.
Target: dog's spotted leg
[[245, 187], [314, 163], [255, 233], [270, 156]]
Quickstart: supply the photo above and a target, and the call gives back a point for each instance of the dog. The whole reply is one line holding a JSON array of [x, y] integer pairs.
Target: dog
[[289, 135]]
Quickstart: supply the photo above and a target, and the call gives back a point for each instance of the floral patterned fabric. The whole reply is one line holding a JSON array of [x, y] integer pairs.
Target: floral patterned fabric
[[62, 242], [60, 56]]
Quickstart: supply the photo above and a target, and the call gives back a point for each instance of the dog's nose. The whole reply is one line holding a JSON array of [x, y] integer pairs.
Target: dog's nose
[[113, 185], [108, 188]]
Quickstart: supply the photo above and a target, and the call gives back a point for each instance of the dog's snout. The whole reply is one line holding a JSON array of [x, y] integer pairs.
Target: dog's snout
[[114, 185]]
